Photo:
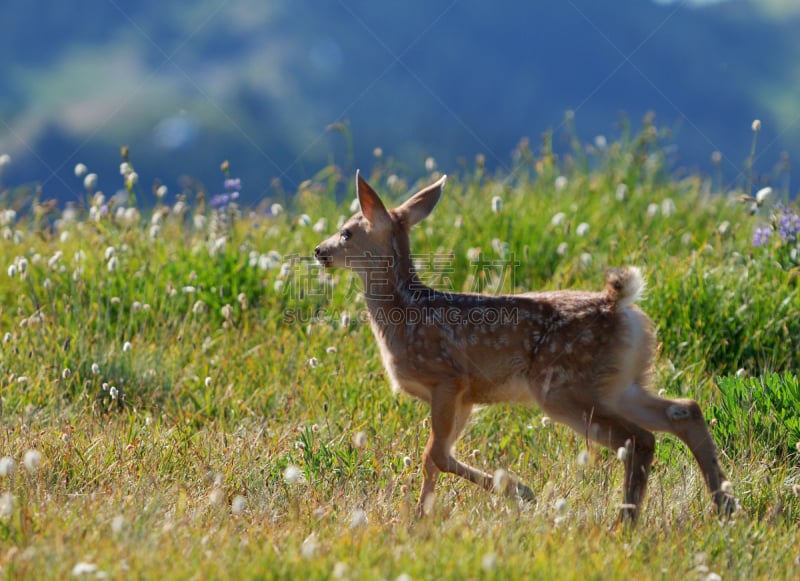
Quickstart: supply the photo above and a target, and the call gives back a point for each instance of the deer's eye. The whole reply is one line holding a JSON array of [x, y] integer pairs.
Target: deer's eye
[[346, 234]]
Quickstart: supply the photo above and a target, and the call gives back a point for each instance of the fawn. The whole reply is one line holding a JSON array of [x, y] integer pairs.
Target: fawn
[[584, 357]]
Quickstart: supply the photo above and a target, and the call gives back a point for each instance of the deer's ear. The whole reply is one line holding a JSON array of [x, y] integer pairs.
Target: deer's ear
[[371, 206], [418, 206]]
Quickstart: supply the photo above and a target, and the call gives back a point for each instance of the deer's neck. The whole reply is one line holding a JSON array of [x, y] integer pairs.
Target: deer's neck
[[392, 287]]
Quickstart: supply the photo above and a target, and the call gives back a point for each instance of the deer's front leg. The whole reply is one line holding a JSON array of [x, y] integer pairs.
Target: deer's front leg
[[449, 415]]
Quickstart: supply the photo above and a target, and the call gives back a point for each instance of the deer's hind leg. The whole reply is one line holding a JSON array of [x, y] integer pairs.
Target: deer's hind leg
[[639, 445]]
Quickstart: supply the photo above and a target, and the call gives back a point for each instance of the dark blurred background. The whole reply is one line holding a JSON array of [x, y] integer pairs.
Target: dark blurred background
[[187, 84]]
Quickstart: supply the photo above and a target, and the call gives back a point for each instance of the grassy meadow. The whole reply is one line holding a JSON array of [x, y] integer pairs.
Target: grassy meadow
[[184, 395]]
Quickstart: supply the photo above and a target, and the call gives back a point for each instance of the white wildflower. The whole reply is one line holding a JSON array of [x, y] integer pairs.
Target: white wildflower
[[561, 505], [546, 421], [113, 392], [430, 164], [344, 319], [131, 179], [582, 229], [117, 524], [474, 254], [622, 192], [304, 220], [558, 218], [600, 142], [113, 264], [586, 259], [756, 126], [208, 382], [95, 368], [562, 249], [126, 346], [5, 159], [227, 312], [561, 183], [668, 207], [583, 458], [622, 453], [161, 191], [313, 362], [124, 168], [276, 209], [652, 209], [80, 170], [726, 487]]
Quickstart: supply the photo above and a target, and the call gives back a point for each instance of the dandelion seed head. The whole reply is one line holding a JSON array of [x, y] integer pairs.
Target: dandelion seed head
[[6, 505], [292, 474], [126, 346], [227, 312], [560, 505], [313, 362], [358, 518], [407, 461], [430, 164], [276, 209], [7, 466], [113, 392], [756, 125], [582, 229], [560, 183], [304, 220], [80, 170], [216, 496], [310, 546], [5, 160], [763, 194], [497, 204], [90, 182], [500, 480], [360, 440], [32, 461], [546, 421], [238, 504], [622, 453], [208, 382], [489, 562], [331, 350], [726, 487], [95, 369], [558, 219]]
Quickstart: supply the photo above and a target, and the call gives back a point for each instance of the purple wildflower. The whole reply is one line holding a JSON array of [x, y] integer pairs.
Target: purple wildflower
[[220, 200], [233, 184], [761, 236], [788, 225]]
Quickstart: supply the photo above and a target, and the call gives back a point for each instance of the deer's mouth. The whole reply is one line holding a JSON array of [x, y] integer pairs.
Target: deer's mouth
[[323, 259]]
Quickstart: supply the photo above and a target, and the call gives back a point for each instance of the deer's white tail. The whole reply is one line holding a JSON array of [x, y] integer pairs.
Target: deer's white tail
[[625, 285]]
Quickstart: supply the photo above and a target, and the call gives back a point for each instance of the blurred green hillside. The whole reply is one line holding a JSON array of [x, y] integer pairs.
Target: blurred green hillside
[[187, 84]]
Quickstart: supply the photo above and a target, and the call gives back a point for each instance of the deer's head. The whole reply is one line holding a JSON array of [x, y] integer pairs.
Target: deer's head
[[375, 235]]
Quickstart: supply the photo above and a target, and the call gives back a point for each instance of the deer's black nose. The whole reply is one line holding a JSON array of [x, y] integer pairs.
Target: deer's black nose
[[316, 252]]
